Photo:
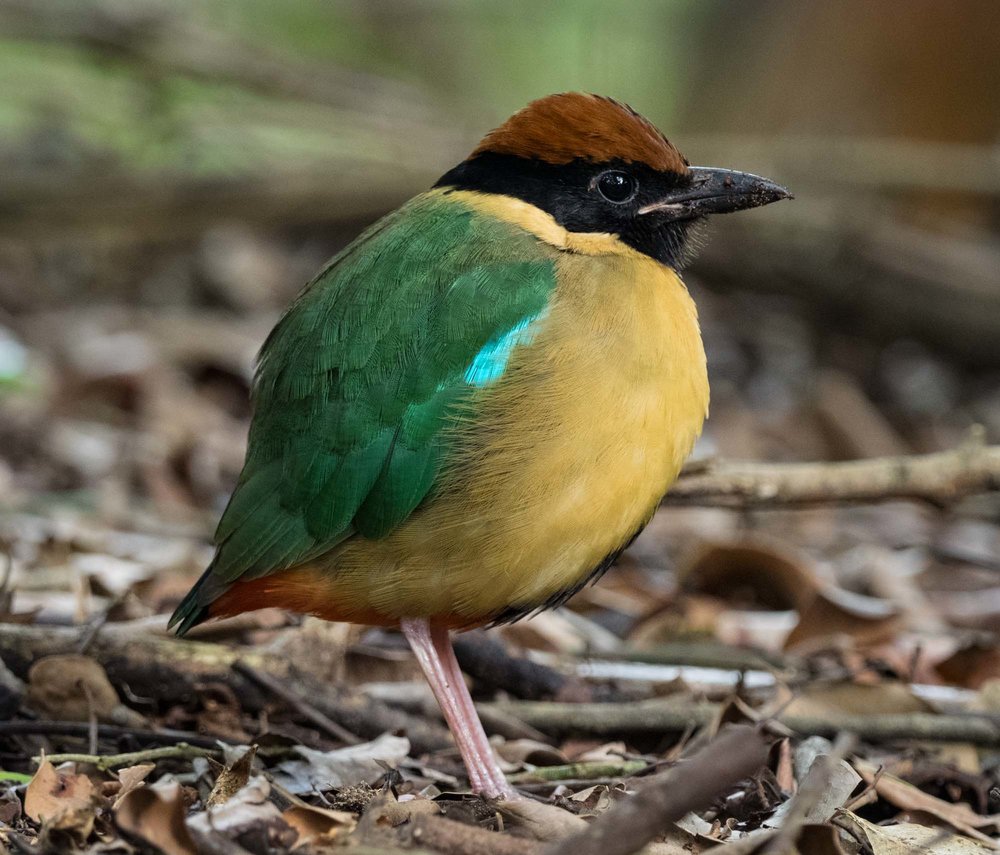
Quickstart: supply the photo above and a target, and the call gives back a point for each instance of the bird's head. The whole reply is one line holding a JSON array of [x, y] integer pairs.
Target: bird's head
[[596, 165]]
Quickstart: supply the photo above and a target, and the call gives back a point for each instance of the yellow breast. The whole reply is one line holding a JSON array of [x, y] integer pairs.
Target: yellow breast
[[570, 453]]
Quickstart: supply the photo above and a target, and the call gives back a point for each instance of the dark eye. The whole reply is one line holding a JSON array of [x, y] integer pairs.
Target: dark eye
[[617, 186]]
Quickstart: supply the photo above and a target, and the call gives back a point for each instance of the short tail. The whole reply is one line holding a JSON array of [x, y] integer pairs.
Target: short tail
[[193, 609]]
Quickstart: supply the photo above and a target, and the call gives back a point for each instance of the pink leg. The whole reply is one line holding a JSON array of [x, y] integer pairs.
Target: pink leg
[[432, 647]]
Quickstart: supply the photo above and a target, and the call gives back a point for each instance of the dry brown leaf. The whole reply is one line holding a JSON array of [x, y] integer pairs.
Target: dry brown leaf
[[910, 798], [155, 814], [70, 688], [131, 779], [517, 752], [323, 770], [386, 810], [971, 666], [908, 838], [855, 699], [61, 799], [764, 574], [752, 571], [247, 810], [316, 824], [835, 612], [232, 779], [784, 773], [541, 821]]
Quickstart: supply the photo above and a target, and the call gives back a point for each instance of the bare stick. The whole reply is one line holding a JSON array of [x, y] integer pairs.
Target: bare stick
[[736, 754], [939, 478], [181, 751], [666, 714]]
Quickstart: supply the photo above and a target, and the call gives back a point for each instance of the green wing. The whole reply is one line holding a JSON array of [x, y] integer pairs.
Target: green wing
[[357, 380]]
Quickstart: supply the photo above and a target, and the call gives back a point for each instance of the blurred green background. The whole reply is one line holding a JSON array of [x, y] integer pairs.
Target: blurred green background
[[173, 172]]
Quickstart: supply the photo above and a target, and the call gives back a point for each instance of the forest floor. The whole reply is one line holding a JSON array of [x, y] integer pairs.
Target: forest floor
[[835, 631]]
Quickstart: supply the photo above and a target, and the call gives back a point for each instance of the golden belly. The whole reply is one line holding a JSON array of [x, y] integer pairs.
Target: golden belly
[[570, 454]]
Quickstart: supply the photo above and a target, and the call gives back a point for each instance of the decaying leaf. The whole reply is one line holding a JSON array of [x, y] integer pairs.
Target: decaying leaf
[[826, 787], [386, 810], [836, 612], [752, 572], [517, 752], [761, 573], [62, 799], [908, 838], [245, 811], [326, 770], [855, 699], [316, 824], [232, 778], [155, 815], [131, 779], [72, 688], [909, 798], [541, 821], [971, 666]]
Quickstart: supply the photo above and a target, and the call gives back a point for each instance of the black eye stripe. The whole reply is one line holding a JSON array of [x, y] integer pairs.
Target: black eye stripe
[[569, 192], [617, 186]]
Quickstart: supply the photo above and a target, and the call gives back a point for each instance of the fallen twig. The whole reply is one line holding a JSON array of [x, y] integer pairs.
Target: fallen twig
[[668, 714], [736, 754], [181, 751], [939, 478]]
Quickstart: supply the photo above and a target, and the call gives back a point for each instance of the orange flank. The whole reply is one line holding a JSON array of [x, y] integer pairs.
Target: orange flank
[[310, 591]]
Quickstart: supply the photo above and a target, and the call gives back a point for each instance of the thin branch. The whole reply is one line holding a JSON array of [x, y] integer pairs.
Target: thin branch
[[667, 714], [940, 478], [104, 762], [736, 754]]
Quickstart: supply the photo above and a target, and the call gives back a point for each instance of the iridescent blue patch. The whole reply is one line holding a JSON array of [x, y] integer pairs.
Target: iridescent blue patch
[[490, 363]]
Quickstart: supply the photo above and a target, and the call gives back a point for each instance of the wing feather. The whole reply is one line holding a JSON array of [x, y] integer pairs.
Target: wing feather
[[358, 381]]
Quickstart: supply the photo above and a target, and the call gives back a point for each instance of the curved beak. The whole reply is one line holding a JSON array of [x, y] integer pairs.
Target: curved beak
[[716, 191]]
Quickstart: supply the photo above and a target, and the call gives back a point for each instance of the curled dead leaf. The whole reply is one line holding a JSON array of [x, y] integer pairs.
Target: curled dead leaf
[[751, 572], [909, 798], [906, 838], [541, 821], [131, 779], [155, 815], [61, 799], [835, 612], [232, 778], [759, 573], [855, 699], [324, 770], [971, 666], [316, 824], [247, 811]]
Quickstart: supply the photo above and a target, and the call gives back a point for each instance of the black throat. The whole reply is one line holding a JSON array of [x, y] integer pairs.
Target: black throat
[[566, 191]]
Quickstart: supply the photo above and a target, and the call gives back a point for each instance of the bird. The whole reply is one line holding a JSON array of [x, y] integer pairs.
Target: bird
[[476, 406]]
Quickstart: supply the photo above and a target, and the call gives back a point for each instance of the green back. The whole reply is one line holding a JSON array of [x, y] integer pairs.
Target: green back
[[358, 380]]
